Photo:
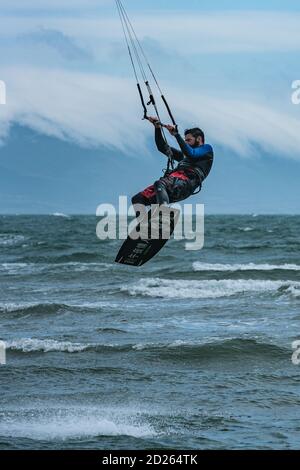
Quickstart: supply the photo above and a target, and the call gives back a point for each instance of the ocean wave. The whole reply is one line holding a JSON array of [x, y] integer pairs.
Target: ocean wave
[[110, 330], [246, 229], [60, 423], [52, 308], [35, 308], [79, 256], [13, 268], [179, 349], [28, 345], [37, 268], [199, 266], [231, 347], [205, 289], [53, 257], [60, 214], [32, 345], [230, 245], [11, 240], [294, 290]]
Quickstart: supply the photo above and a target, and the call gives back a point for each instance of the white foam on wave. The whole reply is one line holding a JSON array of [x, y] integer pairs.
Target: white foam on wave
[[78, 422], [60, 214], [246, 229], [175, 344], [78, 267], [294, 290], [13, 268], [10, 307], [33, 268], [179, 343], [15, 306], [198, 266], [45, 345], [11, 240], [98, 304], [204, 289]]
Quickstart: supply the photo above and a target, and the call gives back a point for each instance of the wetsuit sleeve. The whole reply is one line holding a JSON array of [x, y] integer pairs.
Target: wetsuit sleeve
[[189, 151], [162, 146]]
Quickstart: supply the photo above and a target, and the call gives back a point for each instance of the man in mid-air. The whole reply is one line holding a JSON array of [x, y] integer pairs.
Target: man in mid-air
[[195, 159]]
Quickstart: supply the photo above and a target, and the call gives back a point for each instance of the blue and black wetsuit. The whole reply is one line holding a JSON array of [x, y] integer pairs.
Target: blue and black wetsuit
[[194, 165]]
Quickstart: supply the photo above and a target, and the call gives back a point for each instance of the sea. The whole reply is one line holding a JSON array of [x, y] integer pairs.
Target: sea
[[193, 350]]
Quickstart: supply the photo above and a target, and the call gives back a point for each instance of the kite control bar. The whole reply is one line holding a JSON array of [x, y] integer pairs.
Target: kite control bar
[[164, 125]]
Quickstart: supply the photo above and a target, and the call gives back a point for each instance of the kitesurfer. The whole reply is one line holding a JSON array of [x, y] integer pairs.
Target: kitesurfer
[[194, 158]]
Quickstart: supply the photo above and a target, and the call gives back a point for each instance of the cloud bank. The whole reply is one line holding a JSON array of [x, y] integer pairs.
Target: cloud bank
[[69, 77], [95, 110]]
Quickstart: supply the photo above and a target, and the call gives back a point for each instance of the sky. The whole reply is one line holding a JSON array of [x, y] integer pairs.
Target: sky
[[71, 133]]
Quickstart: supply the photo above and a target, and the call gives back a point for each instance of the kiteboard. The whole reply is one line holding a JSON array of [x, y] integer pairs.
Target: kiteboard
[[149, 236]]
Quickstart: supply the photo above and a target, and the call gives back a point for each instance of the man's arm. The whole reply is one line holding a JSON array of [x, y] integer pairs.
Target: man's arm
[[163, 148], [189, 151]]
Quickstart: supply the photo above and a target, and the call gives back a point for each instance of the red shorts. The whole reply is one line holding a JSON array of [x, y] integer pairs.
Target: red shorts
[[150, 193]]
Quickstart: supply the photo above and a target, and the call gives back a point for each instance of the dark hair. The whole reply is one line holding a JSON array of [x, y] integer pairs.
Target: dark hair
[[196, 132]]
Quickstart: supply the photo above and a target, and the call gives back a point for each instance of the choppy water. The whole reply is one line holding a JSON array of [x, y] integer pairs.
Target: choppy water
[[193, 350]]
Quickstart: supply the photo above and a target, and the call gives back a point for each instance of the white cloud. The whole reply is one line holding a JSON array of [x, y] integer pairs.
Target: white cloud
[[227, 31], [186, 34], [242, 125], [89, 109], [56, 40], [93, 110]]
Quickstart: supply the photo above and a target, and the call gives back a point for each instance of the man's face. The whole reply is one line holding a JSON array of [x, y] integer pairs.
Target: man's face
[[192, 141]]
